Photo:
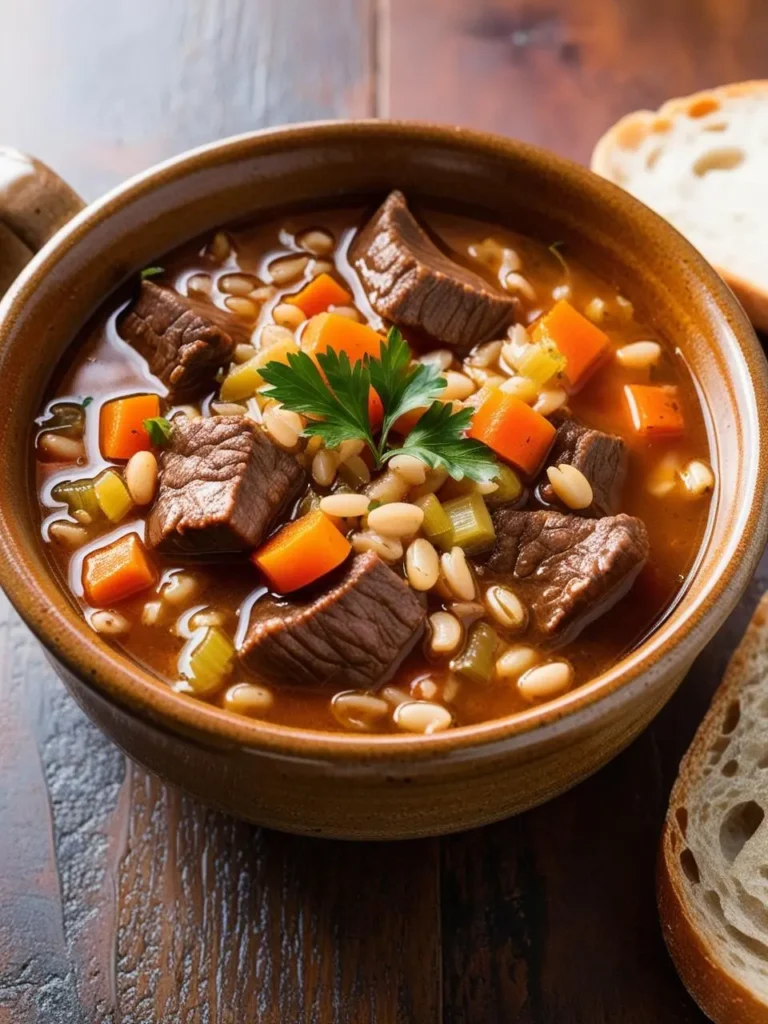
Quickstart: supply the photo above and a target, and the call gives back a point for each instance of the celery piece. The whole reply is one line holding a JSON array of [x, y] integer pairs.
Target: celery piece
[[541, 362], [79, 496], [244, 381], [478, 659], [472, 525], [241, 381], [208, 660], [510, 488], [112, 496], [67, 418], [437, 525]]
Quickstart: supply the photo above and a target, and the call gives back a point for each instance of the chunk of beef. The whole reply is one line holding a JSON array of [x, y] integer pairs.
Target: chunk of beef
[[412, 283], [602, 458], [567, 569], [222, 483], [182, 346], [353, 635]]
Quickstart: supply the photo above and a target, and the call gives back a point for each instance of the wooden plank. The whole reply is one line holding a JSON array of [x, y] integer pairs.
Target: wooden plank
[[552, 916], [59, 780], [268, 927], [118, 93], [35, 976], [149, 906], [558, 73]]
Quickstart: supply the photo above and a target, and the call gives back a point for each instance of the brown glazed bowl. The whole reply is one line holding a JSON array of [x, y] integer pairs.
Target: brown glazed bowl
[[331, 783]]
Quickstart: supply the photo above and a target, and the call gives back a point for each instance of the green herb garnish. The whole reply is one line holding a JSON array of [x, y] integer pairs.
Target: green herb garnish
[[86, 401], [438, 439], [148, 272], [338, 397], [159, 430]]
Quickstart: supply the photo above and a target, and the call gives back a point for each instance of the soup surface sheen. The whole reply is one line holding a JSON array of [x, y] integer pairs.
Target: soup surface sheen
[[668, 482]]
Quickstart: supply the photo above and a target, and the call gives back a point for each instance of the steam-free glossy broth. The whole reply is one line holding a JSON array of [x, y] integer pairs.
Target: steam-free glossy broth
[[668, 481]]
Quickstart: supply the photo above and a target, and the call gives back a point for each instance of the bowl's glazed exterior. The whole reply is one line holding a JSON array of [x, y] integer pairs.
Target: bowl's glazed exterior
[[348, 785]]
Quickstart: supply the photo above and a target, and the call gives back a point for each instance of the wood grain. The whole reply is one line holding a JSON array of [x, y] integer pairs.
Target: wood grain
[[112, 94], [120, 899], [262, 926], [559, 73]]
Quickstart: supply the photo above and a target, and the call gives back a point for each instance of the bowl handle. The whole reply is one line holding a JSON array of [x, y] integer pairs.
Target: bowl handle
[[34, 204]]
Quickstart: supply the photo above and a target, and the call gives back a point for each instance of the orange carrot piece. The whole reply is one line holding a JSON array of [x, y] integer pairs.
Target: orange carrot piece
[[114, 572], [330, 330], [121, 425], [302, 552], [321, 292], [513, 430], [655, 411], [404, 424], [375, 410], [577, 338]]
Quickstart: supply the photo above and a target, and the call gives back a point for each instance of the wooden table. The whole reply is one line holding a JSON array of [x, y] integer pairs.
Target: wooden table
[[122, 900]]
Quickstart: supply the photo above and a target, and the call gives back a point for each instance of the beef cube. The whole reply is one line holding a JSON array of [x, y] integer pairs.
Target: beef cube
[[567, 569], [602, 458], [353, 635], [182, 346], [409, 281], [222, 484]]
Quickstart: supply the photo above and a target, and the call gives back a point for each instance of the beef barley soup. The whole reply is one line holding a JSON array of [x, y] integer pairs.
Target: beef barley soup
[[390, 471]]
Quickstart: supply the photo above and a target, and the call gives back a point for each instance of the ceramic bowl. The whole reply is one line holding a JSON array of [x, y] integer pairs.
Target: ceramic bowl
[[337, 784]]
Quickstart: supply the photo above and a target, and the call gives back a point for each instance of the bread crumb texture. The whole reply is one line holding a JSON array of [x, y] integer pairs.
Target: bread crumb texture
[[702, 162], [714, 865]]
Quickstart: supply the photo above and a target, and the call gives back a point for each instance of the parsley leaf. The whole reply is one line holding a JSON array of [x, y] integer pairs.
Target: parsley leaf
[[159, 430], [401, 387], [148, 272], [87, 401], [438, 439], [340, 400], [334, 393]]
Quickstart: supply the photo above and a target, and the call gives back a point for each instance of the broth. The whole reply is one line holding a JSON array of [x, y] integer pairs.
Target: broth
[[102, 366]]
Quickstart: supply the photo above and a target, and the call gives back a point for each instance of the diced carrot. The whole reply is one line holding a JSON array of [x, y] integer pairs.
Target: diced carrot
[[121, 425], [578, 339], [655, 411], [302, 552], [513, 430], [375, 410], [321, 292], [114, 572], [331, 330], [404, 424]]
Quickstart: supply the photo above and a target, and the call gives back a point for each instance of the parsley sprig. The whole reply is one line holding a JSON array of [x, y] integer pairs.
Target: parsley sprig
[[150, 272], [159, 430], [336, 394]]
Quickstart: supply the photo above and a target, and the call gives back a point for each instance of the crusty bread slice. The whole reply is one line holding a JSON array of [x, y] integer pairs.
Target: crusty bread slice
[[702, 162], [713, 862]]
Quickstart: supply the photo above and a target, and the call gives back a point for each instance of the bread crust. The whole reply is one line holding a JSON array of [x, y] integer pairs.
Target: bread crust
[[721, 995], [635, 127]]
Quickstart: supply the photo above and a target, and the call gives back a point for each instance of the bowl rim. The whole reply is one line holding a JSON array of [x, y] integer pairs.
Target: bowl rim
[[112, 674]]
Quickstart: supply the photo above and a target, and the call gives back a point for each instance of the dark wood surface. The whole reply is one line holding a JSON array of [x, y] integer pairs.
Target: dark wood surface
[[125, 902]]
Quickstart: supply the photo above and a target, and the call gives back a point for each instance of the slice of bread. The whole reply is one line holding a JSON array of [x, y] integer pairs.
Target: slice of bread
[[713, 862], [702, 162]]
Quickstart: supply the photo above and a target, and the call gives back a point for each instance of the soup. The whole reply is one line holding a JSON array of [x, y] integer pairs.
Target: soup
[[396, 471]]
